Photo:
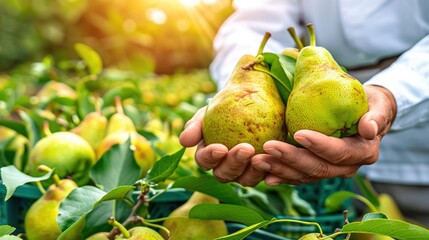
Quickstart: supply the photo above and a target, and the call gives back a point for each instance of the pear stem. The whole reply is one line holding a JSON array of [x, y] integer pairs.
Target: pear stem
[[112, 221], [295, 37], [44, 168], [310, 28], [118, 105], [40, 187], [45, 129], [267, 36], [162, 228]]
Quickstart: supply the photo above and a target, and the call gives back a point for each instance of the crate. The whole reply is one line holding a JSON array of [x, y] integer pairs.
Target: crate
[[13, 210], [259, 234], [164, 204]]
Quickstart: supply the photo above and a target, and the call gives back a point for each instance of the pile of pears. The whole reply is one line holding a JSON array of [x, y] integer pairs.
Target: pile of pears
[[323, 98], [72, 153]]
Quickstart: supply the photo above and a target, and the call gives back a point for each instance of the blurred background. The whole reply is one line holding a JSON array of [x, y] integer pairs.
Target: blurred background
[[156, 36]]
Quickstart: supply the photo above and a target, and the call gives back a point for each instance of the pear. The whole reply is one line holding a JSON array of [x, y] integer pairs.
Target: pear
[[70, 155], [183, 228], [58, 89], [248, 109], [324, 98], [314, 236], [92, 128], [99, 236], [40, 221], [119, 122], [141, 233]]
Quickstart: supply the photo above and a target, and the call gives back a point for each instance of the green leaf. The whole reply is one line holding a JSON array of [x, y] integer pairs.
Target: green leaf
[[116, 167], [123, 92], [209, 185], [83, 96], [335, 201], [83, 200], [374, 215], [6, 230], [91, 58], [241, 234], [366, 189], [32, 128], [164, 167], [14, 125], [396, 229], [225, 212], [13, 178], [10, 237]]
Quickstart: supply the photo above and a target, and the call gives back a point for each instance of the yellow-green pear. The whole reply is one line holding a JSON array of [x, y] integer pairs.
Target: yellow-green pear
[[99, 236], [92, 128], [324, 98], [41, 219], [119, 122], [141, 233], [248, 109], [58, 89], [183, 228], [314, 236], [70, 155]]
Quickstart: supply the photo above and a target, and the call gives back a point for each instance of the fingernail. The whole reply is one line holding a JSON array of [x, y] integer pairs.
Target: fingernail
[[274, 152], [302, 140], [242, 155], [264, 166], [218, 154]]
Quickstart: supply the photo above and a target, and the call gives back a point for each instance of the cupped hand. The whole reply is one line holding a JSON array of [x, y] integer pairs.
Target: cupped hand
[[228, 165], [324, 156]]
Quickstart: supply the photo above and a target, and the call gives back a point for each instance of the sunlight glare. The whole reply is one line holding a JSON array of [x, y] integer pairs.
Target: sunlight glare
[[190, 3], [156, 15]]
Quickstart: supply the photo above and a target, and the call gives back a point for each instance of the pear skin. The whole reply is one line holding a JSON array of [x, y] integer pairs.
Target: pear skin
[[324, 98], [70, 155], [142, 233], [184, 228], [40, 221], [248, 109], [92, 128]]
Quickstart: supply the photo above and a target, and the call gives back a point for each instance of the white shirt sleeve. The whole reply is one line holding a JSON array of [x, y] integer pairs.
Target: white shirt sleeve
[[408, 80], [243, 31]]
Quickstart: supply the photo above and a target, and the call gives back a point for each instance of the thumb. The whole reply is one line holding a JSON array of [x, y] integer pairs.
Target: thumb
[[192, 134]]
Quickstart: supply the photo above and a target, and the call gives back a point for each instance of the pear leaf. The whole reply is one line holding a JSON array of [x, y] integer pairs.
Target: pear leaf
[[164, 167], [365, 187], [14, 125], [242, 233], [373, 215], [209, 185], [116, 167], [227, 212], [123, 92], [91, 58], [32, 128], [393, 228], [6, 230], [10, 237], [334, 201], [13, 178], [83, 200]]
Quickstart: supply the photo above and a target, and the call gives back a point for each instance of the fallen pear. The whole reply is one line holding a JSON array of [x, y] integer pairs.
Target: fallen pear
[[181, 227], [324, 98], [248, 109]]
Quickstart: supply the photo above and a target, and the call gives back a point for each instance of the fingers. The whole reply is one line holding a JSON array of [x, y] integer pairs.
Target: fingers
[[339, 151], [192, 134], [251, 176], [208, 157], [235, 162]]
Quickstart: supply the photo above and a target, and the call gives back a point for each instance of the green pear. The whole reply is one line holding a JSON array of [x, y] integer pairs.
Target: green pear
[[119, 121], [92, 128], [141, 233], [314, 236], [248, 109], [70, 155], [324, 98], [58, 89], [183, 228], [40, 221], [99, 236]]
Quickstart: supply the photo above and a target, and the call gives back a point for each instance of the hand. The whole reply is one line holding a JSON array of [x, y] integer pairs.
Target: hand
[[324, 156], [228, 166]]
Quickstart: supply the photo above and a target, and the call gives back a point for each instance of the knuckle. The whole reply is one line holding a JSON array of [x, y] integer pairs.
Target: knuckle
[[320, 169]]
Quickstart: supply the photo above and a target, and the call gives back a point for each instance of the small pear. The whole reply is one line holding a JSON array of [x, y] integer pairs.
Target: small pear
[[248, 109], [68, 153], [314, 236], [41, 219], [119, 122], [99, 236], [141, 233], [58, 89], [189, 229], [92, 129], [324, 98]]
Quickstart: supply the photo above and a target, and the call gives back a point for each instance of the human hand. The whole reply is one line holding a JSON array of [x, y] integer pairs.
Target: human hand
[[228, 165], [324, 156]]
